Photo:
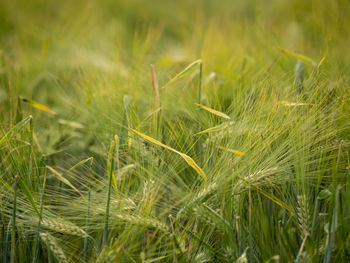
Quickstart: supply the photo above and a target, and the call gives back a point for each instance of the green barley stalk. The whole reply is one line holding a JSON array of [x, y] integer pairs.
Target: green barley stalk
[[250, 227], [6, 239], [327, 258], [19, 114], [156, 98], [200, 83], [123, 129], [14, 215], [10, 103], [86, 240], [30, 153], [36, 245], [314, 218], [112, 156]]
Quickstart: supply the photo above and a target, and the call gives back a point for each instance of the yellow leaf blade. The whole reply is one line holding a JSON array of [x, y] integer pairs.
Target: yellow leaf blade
[[272, 198], [64, 180], [215, 128], [148, 138], [232, 151], [38, 106], [215, 112], [187, 158], [194, 165]]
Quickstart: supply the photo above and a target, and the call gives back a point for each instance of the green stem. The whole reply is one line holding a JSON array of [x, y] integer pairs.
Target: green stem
[[13, 234], [36, 245], [113, 151], [86, 241], [317, 203]]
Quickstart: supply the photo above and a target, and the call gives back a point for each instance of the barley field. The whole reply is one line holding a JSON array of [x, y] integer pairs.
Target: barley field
[[174, 131]]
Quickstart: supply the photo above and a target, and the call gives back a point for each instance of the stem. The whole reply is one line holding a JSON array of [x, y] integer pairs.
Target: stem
[[10, 102], [250, 227], [36, 246], [317, 203], [112, 158], [200, 84], [86, 241], [13, 234]]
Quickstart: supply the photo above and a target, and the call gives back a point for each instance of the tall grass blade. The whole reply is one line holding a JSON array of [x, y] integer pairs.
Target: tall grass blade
[[64, 180], [10, 104], [215, 112], [82, 162], [37, 237], [215, 128], [231, 151], [272, 198], [14, 226], [327, 258], [184, 72], [38, 106], [187, 158], [111, 163], [86, 240], [155, 87]]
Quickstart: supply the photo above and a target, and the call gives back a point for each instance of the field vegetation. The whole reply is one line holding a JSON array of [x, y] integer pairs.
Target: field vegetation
[[174, 131]]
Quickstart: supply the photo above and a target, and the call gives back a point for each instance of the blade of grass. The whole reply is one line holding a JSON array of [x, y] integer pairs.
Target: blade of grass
[[272, 198], [215, 128], [64, 180], [215, 112], [38, 106], [231, 150], [187, 158], [184, 72], [37, 238], [14, 216], [111, 157], [10, 103], [327, 258], [81, 163], [86, 240], [155, 87]]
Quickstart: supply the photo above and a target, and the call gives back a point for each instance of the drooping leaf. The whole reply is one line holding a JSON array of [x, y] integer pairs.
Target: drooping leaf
[[38, 106], [187, 158], [215, 128], [232, 151], [215, 112], [185, 72], [80, 163], [272, 198], [64, 180]]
